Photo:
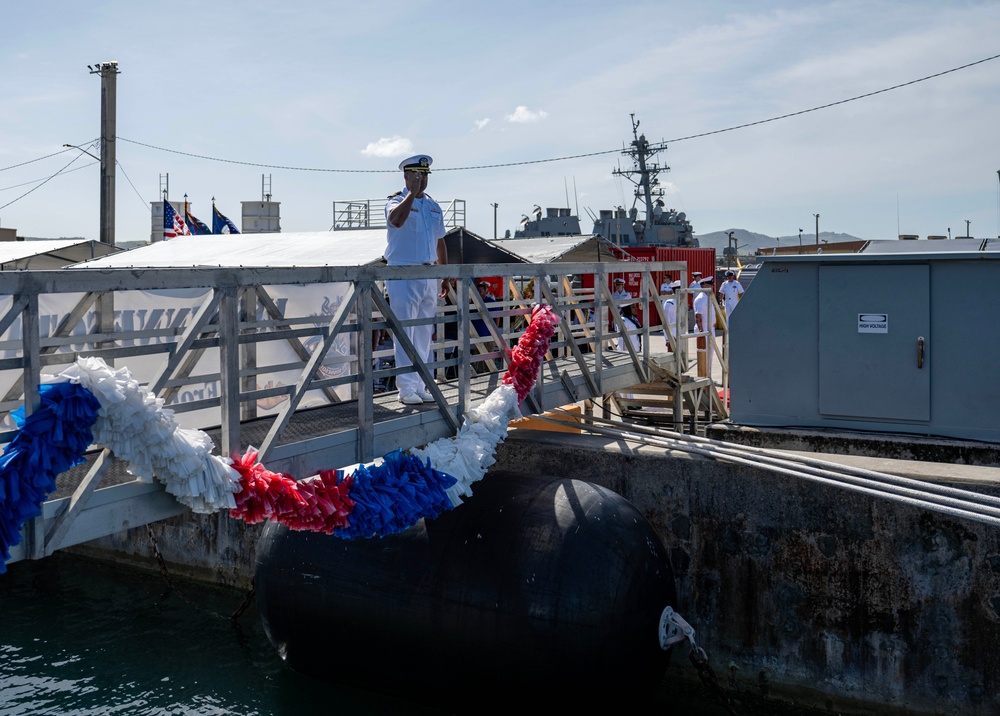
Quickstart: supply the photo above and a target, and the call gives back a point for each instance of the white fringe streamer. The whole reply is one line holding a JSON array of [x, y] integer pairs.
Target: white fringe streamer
[[133, 424], [468, 455]]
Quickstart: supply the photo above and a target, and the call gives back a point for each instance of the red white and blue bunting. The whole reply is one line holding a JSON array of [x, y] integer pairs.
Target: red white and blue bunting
[[90, 402]]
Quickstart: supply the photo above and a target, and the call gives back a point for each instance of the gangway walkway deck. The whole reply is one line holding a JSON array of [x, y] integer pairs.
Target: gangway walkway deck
[[285, 359]]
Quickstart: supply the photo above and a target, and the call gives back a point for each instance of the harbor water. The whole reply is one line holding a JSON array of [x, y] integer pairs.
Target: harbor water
[[83, 637]]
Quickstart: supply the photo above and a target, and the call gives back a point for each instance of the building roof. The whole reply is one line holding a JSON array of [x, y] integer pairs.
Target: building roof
[[49, 253], [468, 248], [551, 249], [308, 248], [924, 246], [838, 247]]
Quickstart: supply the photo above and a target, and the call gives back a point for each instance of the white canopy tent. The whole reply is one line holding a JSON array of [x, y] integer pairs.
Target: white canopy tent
[[308, 248]]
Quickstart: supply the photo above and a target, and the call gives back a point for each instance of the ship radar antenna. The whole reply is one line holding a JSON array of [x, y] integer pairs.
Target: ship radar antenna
[[644, 172]]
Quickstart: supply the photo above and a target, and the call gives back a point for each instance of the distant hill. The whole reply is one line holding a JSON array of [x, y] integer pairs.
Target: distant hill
[[748, 242]]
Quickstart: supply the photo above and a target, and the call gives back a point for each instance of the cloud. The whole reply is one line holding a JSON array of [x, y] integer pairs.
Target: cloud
[[389, 147], [523, 114], [480, 123]]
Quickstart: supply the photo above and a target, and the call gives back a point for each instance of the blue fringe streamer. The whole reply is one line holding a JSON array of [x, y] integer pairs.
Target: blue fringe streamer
[[395, 495], [389, 498], [52, 439]]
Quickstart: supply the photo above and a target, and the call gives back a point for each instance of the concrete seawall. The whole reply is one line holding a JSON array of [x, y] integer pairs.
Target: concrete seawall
[[798, 591], [808, 592]]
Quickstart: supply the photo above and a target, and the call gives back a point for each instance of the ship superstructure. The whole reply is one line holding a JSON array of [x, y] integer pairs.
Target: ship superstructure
[[658, 225]]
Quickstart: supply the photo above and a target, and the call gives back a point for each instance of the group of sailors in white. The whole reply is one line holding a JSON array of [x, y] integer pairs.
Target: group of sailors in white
[[702, 312]]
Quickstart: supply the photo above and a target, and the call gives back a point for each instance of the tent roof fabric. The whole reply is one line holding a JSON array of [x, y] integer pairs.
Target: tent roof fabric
[[15, 250], [341, 248], [550, 249], [311, 248]]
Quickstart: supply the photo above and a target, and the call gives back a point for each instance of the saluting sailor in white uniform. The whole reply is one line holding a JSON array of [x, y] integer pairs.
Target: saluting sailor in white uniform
[[415, 235]]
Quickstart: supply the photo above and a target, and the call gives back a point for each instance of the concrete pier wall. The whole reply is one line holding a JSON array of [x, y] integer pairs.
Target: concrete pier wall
[[798, 591], [804, 591]]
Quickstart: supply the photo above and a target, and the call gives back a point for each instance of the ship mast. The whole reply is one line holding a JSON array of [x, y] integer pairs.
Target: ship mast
[[640, 150]]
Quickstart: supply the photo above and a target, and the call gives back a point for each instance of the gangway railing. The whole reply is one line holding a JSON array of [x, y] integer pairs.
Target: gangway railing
[[262, 349]]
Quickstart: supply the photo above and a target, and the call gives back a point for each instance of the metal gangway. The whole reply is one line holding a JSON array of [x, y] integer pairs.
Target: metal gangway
[[289, 360]]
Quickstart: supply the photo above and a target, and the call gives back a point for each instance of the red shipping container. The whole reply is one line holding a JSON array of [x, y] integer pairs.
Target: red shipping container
[[697, 259]]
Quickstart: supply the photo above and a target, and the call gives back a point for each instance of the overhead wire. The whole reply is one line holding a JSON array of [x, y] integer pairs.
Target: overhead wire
[[572, 156], [32, 161], [46, 181], [145, 204], [35, 181], [481, 166]]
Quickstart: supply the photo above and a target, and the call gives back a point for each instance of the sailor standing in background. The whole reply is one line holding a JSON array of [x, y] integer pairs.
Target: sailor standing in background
[[415, 236], [669, 312], [732, 291], [704, 316], [631, 324], [620, 294], [695, 284]]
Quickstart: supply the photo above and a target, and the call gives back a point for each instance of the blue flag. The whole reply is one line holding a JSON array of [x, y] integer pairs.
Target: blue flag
[[222, 225], [196, 226]]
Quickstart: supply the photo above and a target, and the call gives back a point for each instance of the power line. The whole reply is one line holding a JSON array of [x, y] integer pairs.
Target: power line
[[572, 156], [834, 104], [35, 181], [31, 161], [72, 161], [145, 204]]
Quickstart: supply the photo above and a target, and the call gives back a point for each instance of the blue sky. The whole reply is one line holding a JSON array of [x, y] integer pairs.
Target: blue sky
[[355, 86]]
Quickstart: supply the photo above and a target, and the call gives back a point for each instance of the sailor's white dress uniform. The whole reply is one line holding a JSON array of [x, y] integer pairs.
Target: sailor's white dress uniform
[[412, 244]]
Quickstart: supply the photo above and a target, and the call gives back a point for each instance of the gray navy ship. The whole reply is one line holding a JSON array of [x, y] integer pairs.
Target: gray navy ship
[[659, 225]]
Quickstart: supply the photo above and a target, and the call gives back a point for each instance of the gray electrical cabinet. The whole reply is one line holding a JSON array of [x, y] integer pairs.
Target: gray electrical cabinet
[[895, 342]]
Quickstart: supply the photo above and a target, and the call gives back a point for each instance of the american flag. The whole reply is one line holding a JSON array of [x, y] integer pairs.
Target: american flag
[[173, 223]]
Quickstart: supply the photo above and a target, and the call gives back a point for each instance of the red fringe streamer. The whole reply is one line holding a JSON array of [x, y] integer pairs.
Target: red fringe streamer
[[527, 356], [318, 505]]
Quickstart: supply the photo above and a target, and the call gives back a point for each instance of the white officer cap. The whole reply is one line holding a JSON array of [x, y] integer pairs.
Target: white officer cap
[[417, 163], [676, 284], [695, 273], [709, 279], [620, 280]]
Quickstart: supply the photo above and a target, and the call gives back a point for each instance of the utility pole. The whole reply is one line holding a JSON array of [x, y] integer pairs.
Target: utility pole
[[800, 241], [109, 134], [494, 219], [732, 250], [817, 229], [967, 234]]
